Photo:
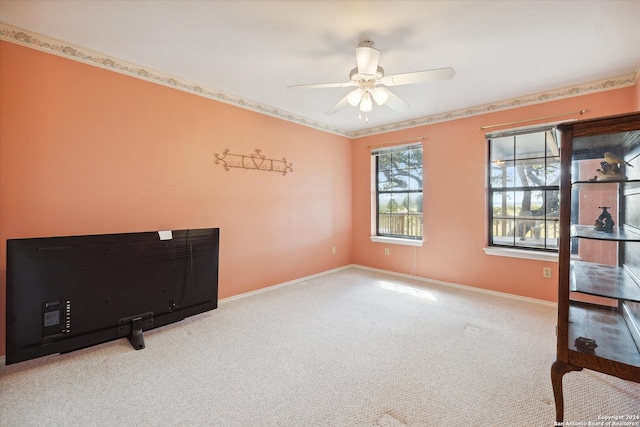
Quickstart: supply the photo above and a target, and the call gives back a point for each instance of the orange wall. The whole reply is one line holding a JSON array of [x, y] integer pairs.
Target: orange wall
[[85, 150], [455, 210]]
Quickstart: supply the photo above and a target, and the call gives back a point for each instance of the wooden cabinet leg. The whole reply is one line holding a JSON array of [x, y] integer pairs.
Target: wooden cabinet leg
[[558, 369]]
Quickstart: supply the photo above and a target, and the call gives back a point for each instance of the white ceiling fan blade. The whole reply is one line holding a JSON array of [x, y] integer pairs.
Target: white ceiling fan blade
[[367, 59], [395, 102], [418, 77], [339, 106], [321, 85]]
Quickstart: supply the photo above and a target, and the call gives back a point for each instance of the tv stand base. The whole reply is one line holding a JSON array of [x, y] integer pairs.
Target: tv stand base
[[132, 328], [135, 337]]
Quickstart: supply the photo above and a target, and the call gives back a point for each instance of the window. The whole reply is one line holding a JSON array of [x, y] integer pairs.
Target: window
[[398, 184], [524, 196]]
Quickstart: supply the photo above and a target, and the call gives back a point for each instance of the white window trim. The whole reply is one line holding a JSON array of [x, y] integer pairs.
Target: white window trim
[[521, 253], [396, 241], [516, 252], [385, 239]]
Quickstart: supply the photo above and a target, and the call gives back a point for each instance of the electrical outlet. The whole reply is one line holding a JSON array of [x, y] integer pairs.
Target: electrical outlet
[[546, 272], [333, 250], [386, 251]]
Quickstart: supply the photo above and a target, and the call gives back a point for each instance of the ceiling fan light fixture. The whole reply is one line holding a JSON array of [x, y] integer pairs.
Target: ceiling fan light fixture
[[380, 95], [366, 104], [367, 80], [355, 97]]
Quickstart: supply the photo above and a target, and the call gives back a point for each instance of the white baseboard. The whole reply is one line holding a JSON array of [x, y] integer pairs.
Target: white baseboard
[[393, 273], [257, 291], [456, 285], [280, 285]]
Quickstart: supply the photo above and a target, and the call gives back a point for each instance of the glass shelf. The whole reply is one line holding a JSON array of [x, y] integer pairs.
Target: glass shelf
[[602, 280], [618, 233], [608, 328], [632, 183]]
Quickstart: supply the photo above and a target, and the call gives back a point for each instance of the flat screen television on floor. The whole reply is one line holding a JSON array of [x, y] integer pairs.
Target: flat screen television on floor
[[67, 293]]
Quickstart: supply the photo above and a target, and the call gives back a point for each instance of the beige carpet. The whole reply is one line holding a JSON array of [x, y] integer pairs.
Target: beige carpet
[[351, 348]]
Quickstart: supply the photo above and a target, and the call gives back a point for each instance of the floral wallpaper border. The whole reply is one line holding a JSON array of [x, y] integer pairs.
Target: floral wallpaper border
[[50, 45]]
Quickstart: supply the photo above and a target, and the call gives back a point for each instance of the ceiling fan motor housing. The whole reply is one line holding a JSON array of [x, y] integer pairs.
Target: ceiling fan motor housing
[[366, 43], [359, 78]]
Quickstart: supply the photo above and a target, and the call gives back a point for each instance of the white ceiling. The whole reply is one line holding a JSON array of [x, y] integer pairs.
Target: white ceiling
[[255, 49]]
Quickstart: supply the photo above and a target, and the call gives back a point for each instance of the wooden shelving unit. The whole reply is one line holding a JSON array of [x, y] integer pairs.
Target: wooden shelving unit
[[599, 266]]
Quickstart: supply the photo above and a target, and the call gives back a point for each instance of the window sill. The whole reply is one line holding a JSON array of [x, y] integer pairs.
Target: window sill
[[521, 253], [396, 241]]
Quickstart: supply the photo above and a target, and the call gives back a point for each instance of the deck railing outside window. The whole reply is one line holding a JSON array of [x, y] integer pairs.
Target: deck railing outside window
[[400, 224]]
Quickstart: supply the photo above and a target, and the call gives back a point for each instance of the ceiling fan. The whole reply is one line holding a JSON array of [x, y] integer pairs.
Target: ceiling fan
[[369, 79]]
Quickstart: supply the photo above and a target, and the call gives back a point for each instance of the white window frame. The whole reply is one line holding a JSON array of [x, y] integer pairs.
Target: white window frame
[[391, 239], [506, 251]]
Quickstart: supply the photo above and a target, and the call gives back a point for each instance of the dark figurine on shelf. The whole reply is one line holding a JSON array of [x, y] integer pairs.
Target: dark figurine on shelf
[[586, 345], [604, 221]]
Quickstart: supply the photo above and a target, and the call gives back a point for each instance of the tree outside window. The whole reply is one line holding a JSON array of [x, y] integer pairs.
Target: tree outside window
[[524, 178], [399, 192]]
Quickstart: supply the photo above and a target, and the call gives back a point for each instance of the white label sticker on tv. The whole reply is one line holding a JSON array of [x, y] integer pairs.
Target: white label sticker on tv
[[165, 235]]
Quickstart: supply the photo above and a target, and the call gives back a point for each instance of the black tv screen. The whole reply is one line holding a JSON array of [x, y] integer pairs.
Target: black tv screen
[[67, 293]]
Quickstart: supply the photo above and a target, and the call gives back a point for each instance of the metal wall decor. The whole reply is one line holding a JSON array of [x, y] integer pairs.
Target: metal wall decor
[[255, 160]]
